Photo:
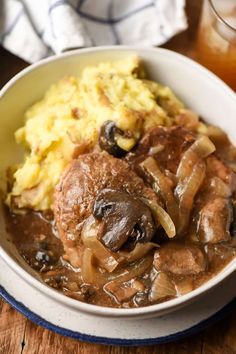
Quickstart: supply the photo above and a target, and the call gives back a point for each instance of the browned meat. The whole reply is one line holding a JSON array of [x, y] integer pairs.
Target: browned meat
[[172, 142], [180, 259], [167, 146], [216, 168], [214, 221], [78, 188], [213, 206]]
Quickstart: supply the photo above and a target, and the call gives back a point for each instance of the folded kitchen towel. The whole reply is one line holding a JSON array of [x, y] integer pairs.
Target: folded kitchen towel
[[35, 29]]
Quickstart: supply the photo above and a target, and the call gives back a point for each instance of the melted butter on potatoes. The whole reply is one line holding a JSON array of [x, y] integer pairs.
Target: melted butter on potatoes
[[69, 117]]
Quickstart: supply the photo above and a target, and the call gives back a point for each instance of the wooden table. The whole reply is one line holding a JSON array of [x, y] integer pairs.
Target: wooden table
[[19, 335]]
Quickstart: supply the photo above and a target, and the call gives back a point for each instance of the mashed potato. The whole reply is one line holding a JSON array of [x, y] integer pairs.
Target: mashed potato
[[66, 122]]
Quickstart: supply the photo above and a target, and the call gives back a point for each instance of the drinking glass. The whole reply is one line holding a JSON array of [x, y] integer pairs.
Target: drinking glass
[[216, 39]]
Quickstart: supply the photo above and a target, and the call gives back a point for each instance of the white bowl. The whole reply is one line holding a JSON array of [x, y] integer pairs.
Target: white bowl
[[197, 87]]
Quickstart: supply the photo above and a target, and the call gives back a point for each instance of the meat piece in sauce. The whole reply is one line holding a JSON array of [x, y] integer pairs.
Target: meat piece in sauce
[[216, 168], [78, 188], [214, 221], [180, 259], [170, 145], [213, 208]]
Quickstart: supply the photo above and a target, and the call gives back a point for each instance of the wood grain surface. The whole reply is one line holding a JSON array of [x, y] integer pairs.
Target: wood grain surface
[[19, 335]]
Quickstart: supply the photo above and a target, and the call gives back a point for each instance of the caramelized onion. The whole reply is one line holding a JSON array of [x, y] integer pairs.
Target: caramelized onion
[[92, 275], [162, 217], [94, 254], [164, 186], [105, 258], [88, 271], [140, 251], [186, 192], [133, 270], [162, 287], [200, 149]]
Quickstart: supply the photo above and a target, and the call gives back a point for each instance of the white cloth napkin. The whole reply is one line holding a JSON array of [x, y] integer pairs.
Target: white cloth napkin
[[35, 29]]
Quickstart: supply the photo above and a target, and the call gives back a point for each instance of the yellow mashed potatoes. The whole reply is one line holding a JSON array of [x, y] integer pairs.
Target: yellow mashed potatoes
[[66, 122]]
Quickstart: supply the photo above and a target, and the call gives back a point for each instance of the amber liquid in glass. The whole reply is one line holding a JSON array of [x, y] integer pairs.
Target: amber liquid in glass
[[217, 53]]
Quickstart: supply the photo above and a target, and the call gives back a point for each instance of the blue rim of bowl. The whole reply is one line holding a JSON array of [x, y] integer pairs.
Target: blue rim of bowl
[[219, 315]]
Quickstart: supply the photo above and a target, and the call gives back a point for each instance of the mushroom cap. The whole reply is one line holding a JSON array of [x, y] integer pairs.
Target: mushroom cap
[[78, 188], [107, 139], [124, 218]]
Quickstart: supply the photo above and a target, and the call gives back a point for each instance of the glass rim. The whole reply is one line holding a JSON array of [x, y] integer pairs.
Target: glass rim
[[220, 18]]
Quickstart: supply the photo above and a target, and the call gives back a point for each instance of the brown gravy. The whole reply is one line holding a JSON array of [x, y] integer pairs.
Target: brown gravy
[[35, 236]]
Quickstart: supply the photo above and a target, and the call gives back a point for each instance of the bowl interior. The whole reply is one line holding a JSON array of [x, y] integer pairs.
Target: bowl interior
[[197, 87]]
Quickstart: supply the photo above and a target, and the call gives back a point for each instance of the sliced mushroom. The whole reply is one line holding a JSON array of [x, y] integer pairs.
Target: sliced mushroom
[[125, 219], [110, 136]]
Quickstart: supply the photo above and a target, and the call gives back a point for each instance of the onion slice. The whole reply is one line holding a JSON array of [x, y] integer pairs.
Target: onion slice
[[93, 275], [162, 183], [162, 217], [186, 192], [88, 271], [140, 251], [105, 258], [162, 287], [133, 270], [200, 149]]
